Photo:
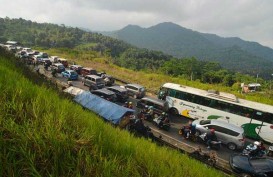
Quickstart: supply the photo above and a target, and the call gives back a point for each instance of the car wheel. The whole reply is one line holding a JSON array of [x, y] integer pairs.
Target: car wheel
[[174, 111], [198, 133], [231, 146], [245, 175]]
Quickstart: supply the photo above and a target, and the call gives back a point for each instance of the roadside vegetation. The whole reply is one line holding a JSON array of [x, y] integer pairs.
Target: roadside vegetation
[[43, 134]]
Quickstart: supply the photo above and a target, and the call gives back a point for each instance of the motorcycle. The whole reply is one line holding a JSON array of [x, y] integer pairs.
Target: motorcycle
[[190, 136], [213, 144], [159, 122], [252, 150], [270, 151]]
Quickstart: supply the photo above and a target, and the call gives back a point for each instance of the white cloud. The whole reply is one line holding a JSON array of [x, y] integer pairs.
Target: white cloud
[[247, 19]]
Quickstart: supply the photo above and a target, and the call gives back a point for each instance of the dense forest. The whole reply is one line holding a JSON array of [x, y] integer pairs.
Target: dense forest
[[120, 53]]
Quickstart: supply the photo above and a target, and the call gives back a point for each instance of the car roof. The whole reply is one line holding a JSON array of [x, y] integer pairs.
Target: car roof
[[70, 70], [94, 76], [104, 90], [135, 85], [222, 123], [57, 64], [118, 88], [76, 65], [154, 100], [88, 68]]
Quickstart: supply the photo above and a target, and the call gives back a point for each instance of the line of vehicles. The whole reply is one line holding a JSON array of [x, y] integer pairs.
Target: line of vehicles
[[231, 118]]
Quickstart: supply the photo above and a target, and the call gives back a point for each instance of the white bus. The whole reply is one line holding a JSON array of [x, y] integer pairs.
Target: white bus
[[255, 118]]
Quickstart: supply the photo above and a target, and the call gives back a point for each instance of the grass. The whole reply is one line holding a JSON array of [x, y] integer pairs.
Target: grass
[[43, 134]]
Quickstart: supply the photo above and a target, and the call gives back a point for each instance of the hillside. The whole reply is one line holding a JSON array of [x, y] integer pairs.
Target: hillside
[[46, 134], [232, 53]]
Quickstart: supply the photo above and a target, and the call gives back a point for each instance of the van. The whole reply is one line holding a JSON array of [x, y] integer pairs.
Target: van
[[229, 134], [94, 82], [135, 90], [158, 105], [88, 71]]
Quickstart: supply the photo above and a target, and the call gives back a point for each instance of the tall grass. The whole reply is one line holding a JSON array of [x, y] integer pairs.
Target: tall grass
[[42, 134]]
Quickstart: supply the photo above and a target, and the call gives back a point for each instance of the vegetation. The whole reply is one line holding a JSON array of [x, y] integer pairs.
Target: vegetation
[[232, 53], [42, 134], [90, 47]]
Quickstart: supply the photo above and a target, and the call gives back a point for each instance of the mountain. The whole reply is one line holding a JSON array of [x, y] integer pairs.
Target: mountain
[[232, 53]]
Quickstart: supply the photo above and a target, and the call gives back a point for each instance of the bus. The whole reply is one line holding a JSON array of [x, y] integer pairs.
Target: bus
[[255, 118]]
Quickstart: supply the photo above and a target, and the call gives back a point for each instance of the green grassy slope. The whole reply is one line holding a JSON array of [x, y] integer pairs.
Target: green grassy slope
[[42, 134]]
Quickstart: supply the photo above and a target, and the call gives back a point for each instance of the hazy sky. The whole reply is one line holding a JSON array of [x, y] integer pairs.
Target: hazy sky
[[251, 20]]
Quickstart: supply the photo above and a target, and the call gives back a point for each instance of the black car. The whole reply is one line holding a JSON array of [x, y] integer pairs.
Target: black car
[[122, 94], [105, 94], [252, 167]]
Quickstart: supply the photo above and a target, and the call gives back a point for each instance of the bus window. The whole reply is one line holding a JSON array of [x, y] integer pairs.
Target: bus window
[[172, 93]]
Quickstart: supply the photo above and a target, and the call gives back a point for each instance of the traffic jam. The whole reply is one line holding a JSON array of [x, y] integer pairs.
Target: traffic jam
[[178, 115]]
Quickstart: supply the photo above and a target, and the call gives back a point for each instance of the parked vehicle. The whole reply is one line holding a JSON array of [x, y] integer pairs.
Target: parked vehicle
[[46, 61], [43, 54], [88, 71], [94, 82], [135, 90], [70, 74], [229, 134], [76, 68], [251, 167], [122, 93], [54, 59], [158, 105], [63, 61], [58, 67], [105, 94], [37, 59]]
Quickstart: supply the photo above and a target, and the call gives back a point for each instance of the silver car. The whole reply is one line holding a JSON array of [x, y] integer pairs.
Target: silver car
[[229, 134]]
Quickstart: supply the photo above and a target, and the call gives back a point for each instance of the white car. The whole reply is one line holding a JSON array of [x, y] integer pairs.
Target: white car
[[229, 134]]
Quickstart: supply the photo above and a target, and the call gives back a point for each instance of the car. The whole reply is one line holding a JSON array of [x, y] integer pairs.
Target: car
[[251, 167], [159, 106], [63, 61], [229, 134], [88, 71], [46, 61], [76, 68], [135, 90], [94, 82], [70, 74], [122, 93], [105, 94], [54, 59], [58, 67]]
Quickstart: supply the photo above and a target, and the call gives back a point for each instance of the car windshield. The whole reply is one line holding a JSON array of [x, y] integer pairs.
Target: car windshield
[[142, 89], [204, 122], [99, 80], [61, 66], [73, 73]]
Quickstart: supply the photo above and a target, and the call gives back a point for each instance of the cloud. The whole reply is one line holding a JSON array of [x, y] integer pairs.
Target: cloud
[[247, 19]]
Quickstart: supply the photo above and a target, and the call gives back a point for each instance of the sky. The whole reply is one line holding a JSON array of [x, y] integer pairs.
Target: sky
[[251, 20]]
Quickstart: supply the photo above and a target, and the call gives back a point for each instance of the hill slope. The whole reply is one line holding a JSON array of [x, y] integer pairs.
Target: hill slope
[[175, 40], [42, 134]]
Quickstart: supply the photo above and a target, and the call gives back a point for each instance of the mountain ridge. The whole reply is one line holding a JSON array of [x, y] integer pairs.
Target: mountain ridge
[[181, 42]]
